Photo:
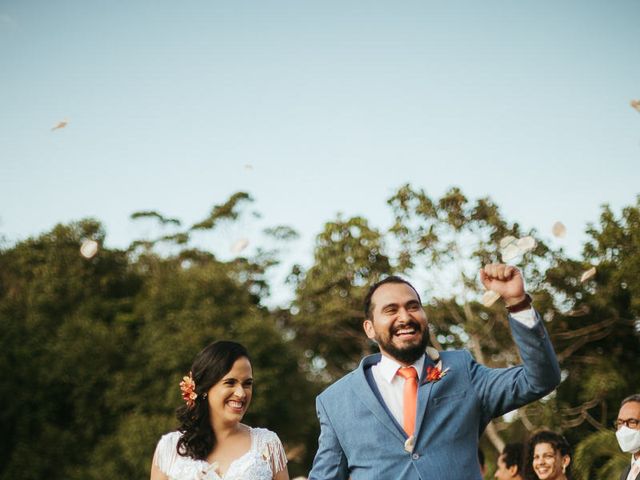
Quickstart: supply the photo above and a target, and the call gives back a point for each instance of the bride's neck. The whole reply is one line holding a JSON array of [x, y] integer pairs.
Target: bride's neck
[[223, 431]]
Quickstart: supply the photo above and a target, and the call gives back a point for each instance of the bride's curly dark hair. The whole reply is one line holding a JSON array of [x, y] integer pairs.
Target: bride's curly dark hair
[[558, 444], [208, 368]]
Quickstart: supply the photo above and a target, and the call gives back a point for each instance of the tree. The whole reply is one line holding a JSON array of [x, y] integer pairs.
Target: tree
[[327, 312], [596, 331], [96, 347], [61, 337]]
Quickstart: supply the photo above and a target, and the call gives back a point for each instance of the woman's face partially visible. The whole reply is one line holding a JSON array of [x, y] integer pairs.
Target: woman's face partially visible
[[229, 399], [548, 463]]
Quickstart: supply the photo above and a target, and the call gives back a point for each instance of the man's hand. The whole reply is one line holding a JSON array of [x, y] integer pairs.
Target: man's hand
[[505, 280]]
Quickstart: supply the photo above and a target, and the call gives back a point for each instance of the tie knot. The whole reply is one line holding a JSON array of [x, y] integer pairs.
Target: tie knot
[[407, 373]]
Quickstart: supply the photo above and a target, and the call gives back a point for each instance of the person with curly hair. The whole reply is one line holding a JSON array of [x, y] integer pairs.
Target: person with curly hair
[[211, 443], [549, 457]]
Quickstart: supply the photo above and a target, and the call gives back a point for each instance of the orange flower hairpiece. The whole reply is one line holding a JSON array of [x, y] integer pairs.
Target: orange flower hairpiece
[[188, 389]]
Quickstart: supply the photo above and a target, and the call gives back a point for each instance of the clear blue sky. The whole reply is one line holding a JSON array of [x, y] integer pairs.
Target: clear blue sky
[[334, 103]]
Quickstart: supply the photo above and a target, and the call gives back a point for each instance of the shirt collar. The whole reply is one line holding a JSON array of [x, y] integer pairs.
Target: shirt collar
[[389, 367]]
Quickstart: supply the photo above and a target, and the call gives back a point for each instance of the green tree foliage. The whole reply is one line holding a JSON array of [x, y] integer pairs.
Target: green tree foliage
[[442, 242], [598, 456], [60, 341], [596, 331], [92, 350], [327, 312]]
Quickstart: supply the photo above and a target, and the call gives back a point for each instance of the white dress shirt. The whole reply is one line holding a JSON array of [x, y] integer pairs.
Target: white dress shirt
[[391, 385], [635, 468]]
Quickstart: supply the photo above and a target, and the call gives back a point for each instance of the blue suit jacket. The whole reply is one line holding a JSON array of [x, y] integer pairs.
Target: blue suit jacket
[[360, 439]]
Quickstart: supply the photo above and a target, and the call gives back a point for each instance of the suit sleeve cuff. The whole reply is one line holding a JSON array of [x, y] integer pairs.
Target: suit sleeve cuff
[[526, 317]]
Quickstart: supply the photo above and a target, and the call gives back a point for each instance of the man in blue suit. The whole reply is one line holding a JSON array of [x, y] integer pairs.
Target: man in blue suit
[[382, 421]]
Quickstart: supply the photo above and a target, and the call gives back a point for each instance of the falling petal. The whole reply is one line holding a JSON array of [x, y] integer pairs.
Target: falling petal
[[588, 275], [506, 241], [89, 248], [433, 354], [239, 245], [559, 230], [526, 244], [60, 125], [512, 251], [489, 298], [409, 444]]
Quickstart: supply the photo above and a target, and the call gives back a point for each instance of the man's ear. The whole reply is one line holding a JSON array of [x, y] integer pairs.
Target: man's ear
[[367, 325], [513, 470]]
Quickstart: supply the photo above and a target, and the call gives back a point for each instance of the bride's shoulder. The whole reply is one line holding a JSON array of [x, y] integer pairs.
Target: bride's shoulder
[[264, 438], [263, 433], [169, 440], [269, 447]]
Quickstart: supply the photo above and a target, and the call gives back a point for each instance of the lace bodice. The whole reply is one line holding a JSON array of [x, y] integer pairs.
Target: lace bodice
[[262, 461]]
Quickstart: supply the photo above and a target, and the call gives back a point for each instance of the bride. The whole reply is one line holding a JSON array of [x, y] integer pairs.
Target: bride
[[211, 443]]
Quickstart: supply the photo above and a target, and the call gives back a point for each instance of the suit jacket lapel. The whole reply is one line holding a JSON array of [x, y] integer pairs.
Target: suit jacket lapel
[[625, 473], [364, 392], [424, 391]]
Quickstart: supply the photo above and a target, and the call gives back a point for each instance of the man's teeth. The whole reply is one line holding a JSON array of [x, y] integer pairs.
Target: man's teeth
[[406, 331]]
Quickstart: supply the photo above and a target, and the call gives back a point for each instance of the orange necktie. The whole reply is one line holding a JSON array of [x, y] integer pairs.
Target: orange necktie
[[409, 398]]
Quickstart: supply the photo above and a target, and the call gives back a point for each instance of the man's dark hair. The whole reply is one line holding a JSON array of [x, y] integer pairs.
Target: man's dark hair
[[513, 454], [480, 457], [631, 398], [368, 306]]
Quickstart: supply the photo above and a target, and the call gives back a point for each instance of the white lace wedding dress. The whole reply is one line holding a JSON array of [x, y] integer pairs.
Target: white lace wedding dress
[[264, 459]]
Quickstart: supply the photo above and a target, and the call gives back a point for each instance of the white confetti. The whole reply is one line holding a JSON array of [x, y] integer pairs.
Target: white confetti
[[511, 252], [61, 124], [409, 444], [588, 275], [89, 248], [559, 230], [433, 354], [526, 244], [506, 241], [239, 245], [489, 298]]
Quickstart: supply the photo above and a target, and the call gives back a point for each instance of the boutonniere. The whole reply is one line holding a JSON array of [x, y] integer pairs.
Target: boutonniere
[[434, 373]]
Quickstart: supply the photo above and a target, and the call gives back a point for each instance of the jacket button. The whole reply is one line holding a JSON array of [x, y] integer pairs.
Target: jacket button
[[415, 456]]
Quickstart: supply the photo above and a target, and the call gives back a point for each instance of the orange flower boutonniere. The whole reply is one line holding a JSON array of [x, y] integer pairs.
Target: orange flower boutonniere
[[435, 373]]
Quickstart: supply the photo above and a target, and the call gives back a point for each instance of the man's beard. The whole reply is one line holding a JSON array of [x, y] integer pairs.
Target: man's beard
[[408, 354]]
